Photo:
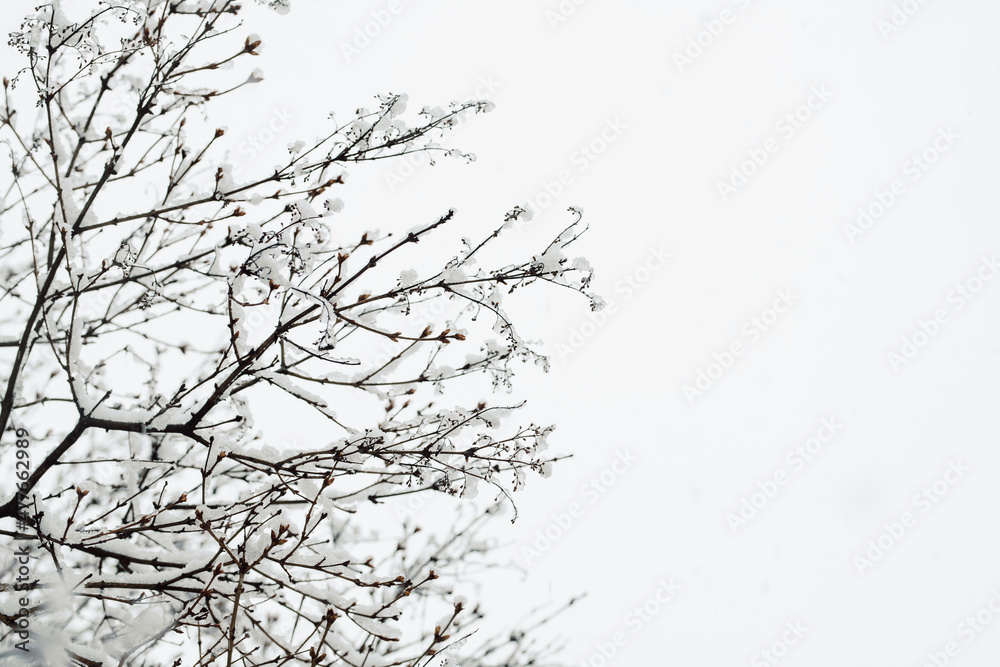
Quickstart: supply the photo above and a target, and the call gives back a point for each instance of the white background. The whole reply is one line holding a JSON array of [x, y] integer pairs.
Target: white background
[[617, 383]]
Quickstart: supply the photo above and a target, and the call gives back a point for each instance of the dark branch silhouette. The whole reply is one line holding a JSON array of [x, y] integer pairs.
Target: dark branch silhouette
[[138, 346]]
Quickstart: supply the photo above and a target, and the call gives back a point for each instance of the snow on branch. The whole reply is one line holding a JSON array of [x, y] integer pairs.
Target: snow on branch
[[140, 349]]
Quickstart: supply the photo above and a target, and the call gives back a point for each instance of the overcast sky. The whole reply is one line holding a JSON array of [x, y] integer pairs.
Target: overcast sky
[[740, 139], [784, 423]]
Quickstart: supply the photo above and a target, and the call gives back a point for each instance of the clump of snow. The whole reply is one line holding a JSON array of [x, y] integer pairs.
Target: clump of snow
[[333, 206], [407, 277]]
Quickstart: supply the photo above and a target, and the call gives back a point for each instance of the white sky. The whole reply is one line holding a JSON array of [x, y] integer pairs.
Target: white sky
[[655, 187]]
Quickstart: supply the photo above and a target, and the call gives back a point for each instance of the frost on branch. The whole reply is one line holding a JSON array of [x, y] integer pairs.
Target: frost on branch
[[142, 348]]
